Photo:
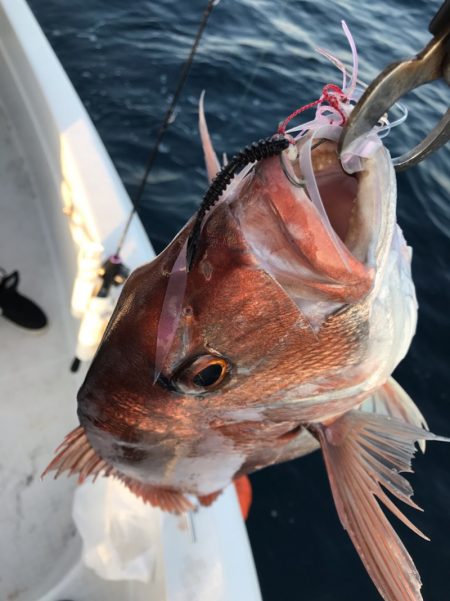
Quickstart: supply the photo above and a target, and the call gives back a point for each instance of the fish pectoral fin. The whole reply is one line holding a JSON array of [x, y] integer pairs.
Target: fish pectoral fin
[[243, 491], [364, 454], [166, 499], [245, 494], [207, 500], [390, 399]]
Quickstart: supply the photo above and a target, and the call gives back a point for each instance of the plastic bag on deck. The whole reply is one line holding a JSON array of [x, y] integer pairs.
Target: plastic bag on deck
[[119, 531]]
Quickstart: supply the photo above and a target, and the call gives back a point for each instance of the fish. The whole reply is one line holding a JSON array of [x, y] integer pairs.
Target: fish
[[279, 341]]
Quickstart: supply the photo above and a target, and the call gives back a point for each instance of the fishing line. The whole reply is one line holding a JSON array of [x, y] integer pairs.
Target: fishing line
[[257, 64], [136, 200], [113, 272]]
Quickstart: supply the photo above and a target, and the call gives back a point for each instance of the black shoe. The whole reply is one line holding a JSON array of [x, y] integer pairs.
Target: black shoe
[[17, 308]]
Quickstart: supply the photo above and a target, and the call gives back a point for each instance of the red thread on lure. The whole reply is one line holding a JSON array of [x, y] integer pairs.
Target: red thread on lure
[[330, 94]]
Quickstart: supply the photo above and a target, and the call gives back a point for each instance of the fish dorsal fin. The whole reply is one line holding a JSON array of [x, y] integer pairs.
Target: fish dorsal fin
[[363, 453], [211, 160]]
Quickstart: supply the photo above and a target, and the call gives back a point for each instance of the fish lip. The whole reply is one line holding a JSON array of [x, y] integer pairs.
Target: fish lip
[[94, 428], [86, 420]]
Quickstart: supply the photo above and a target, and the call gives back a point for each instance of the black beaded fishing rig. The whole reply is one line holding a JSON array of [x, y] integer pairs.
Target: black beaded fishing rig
[[257, 151]]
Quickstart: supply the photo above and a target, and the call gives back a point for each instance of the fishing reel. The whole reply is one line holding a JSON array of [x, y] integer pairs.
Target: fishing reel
[[99, 309]]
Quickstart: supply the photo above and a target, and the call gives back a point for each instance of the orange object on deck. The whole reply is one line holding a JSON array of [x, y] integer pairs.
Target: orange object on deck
[[245, 494]]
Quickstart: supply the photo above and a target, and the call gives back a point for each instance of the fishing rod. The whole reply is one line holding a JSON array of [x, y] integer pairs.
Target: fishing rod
[[136, 200], [113, 272]]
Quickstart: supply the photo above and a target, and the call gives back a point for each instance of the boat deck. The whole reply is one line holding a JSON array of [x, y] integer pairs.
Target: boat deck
[[38, 405], [36, 386]]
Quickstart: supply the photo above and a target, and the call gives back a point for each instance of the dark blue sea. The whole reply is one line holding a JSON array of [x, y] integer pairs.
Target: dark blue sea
[[257, 64]]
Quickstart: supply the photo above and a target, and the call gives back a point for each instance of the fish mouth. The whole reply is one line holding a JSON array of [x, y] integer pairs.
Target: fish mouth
[[316, 237], [339, 194], [337, 188]]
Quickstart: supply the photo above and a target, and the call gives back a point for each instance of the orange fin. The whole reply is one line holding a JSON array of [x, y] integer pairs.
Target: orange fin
[[207, 500], [168, 500], [363, 453], [245, 494], [243, 491]]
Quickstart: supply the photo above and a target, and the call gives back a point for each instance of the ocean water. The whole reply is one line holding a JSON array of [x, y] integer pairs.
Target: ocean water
[[257, 63]]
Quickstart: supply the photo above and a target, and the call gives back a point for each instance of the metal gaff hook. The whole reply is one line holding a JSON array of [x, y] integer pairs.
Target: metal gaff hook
[[432, 63]]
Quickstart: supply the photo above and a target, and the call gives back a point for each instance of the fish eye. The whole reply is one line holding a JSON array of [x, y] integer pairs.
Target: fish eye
[[202, 374]]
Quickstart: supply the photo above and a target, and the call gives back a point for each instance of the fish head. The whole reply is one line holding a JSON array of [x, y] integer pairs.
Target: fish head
[[273, 331], [232, 313]]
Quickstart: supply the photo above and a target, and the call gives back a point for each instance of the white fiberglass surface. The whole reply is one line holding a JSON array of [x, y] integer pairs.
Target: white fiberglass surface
[[39, 546], [36, 390]]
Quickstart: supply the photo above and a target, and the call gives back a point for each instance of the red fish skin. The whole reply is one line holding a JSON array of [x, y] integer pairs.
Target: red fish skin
[[239, 311]]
